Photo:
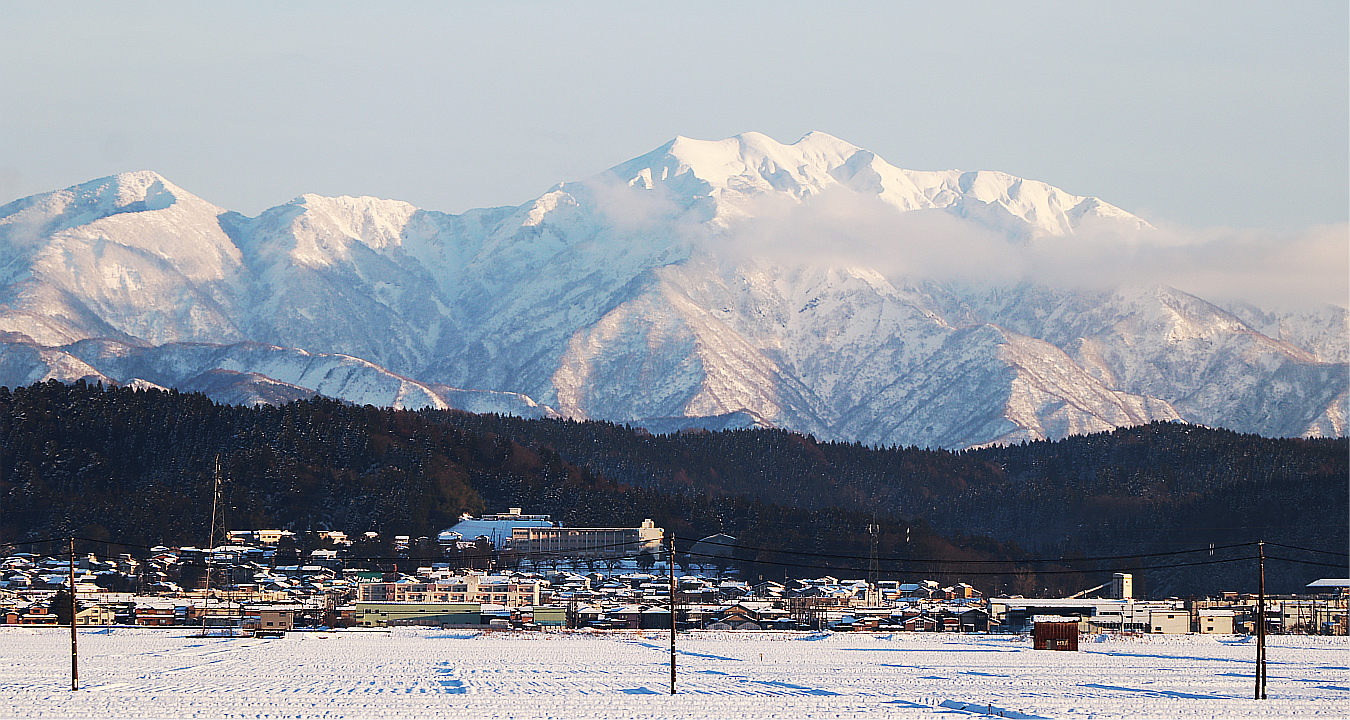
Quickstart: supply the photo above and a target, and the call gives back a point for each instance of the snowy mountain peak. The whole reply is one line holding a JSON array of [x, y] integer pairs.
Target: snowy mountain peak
[[375, 222], [752, 149], [115, 192], [143, 186], [741, 164], [739, 171], [45, 214]]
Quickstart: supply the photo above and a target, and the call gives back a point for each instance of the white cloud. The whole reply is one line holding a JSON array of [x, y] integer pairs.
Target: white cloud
[[843, 227], [1286, 269]]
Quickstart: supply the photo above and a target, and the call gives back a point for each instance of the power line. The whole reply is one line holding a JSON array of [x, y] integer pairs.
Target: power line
[[1304, 562], [518, 553], [1136, 528], [1015, 565], [989, 562], [1295, 547], [39, 542], [1011, 571]]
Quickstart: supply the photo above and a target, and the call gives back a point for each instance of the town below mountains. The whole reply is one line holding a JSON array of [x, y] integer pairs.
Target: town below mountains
[[740, 283], [263, 583], [137, 468]]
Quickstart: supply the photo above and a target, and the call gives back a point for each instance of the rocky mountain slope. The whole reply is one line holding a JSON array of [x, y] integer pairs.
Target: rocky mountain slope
[[728, 283]]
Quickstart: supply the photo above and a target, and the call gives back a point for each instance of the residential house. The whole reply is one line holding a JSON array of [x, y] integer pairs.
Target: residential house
[[268, 619]]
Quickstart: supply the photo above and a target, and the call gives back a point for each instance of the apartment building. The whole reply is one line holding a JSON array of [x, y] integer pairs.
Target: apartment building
[[472, 588], [563, 542]]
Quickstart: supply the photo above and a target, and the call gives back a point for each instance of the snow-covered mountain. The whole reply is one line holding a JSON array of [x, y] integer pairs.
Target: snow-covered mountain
[[246, 373], [729, 283]]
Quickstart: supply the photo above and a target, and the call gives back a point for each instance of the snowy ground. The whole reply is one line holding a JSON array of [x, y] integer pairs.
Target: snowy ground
[[422, 673]]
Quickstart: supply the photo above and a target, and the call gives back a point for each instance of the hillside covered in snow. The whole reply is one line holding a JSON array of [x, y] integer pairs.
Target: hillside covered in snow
[[731, 283]]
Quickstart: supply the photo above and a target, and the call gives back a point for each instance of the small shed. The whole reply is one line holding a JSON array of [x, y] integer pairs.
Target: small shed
[[1055, 632]]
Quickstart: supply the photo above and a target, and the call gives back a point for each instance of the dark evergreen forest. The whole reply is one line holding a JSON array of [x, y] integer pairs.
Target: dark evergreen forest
[[136, 466]]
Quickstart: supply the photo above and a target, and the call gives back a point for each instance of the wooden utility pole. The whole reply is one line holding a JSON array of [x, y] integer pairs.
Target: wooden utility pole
[[874, 565], [672, 613], [74, 650], [210, 544], [1261, 621]]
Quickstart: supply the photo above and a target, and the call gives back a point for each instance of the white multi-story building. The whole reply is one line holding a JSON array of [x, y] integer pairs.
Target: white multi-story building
[[496, 528], [262, 537], [471, 588], [563, 542], [1096, 614]]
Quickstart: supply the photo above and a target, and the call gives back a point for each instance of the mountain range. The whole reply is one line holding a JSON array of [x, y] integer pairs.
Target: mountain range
[[712, 284]]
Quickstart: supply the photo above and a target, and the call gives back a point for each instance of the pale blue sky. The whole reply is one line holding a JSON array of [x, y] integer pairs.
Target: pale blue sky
[[1196, 113]]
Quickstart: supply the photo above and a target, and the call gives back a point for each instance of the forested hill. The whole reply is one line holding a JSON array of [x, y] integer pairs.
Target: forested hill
[[1153, 488], [136, 466]]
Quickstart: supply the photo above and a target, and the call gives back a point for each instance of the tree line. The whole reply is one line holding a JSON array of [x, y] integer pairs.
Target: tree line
[[138, 466]]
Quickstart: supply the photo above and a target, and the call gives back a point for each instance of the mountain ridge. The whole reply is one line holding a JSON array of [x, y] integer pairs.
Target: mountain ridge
[[661, 289]]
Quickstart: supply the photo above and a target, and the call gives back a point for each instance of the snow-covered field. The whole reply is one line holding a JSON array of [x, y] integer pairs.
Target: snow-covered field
[[424, 673]]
